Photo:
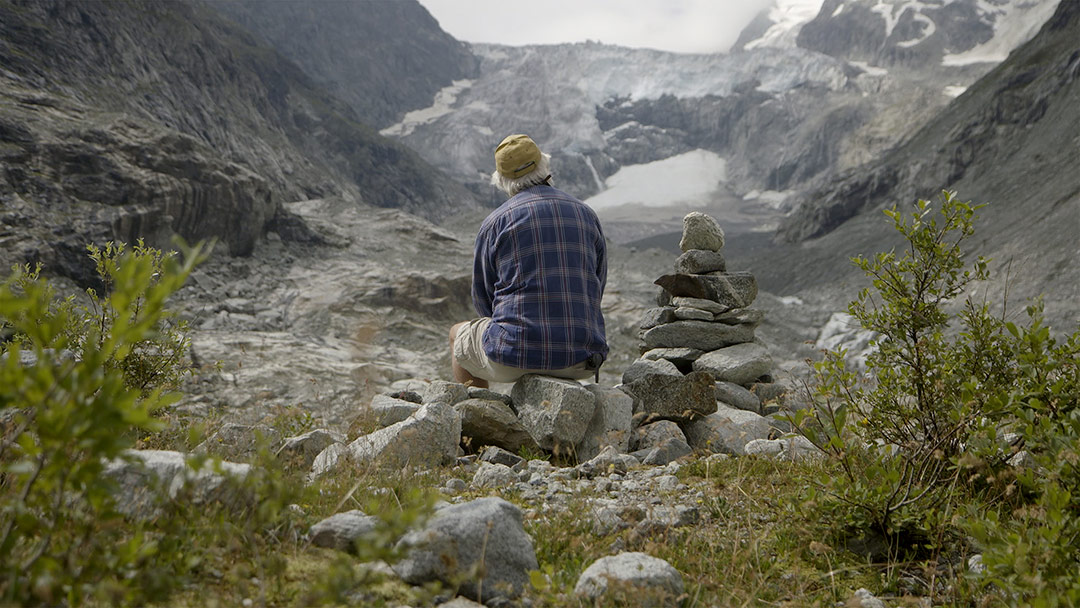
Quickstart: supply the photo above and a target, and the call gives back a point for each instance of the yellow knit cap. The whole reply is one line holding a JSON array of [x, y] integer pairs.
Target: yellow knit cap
[[516, 156]]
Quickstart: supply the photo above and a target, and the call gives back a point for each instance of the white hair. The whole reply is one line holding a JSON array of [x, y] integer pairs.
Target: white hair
[[537, 176]]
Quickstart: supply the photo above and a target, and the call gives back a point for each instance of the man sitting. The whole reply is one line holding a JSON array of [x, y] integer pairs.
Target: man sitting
[[539, 271]]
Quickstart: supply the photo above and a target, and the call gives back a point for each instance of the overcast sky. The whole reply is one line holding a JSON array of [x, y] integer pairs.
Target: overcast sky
[[686, 26]]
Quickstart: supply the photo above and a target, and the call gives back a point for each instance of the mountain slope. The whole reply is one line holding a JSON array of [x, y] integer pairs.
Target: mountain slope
[[382, 58], [121, 120], [1011, 141]]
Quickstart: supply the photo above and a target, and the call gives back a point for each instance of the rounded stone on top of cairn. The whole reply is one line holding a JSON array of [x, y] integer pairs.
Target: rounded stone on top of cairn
[[701, 231]]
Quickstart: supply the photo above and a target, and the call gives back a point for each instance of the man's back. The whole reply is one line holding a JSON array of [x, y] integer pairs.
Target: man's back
[[539, 272]]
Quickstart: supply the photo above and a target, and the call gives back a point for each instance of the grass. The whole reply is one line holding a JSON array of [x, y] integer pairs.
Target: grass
[[760, 540]]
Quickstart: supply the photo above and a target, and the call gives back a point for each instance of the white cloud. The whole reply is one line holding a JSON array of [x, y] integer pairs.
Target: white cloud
[[686, 26]]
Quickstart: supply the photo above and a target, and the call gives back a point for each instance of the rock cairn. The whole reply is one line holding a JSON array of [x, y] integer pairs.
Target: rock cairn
[[701, 365]]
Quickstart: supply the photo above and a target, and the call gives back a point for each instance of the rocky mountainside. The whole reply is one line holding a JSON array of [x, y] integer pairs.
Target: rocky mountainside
[[127, 120], [916, 33], [1012, 141], [382, 58]]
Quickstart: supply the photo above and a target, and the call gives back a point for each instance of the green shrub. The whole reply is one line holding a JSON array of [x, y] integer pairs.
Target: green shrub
[[921, 437], [72, 388]]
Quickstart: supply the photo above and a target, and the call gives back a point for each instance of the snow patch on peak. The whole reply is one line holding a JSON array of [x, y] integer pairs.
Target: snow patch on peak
[[788, 17], [1015, 22], [442, 105]]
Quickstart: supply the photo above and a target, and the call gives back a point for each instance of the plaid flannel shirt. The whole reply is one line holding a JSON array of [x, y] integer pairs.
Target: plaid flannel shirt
[[539, 271]]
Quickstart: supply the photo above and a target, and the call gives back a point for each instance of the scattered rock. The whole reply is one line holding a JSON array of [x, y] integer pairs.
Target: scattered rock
[[481, 544], [610, 423], [632, 578], [727, 431], [440, 391], [485, 422], [554, 411], [648, 436], [494, 476], [497, 455], [146, 478], [608, 461], [385, 410], [669, 450], [427, 438], [864, 599], [795, 447], [300, 451], [341, 530]]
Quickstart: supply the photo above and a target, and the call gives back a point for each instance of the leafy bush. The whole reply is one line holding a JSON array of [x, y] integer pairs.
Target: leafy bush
[[72, 387], [924, 439]]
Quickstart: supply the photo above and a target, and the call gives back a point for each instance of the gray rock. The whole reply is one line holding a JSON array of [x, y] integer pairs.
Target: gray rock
[[771, 394], [739, 363], [702, 335], [792, 448], [454, 486], [647, 367], [494, 476], [864, 599], [731, 289], [685, 313], [485, 422], [441, 391], [741, 316], [670, 450], [700, 261], [385, 410], [428, 438], [481, 544], [737, 397], [610, 423], [714, 307], [635, 578], [701, 231], [239, 441], [489, 395], [673, 397], [608, 462], [497, 455], [146, 478], [726, 431], [680, 356], [554, 411], [300, 451], [460, 602], [657, 316], [648, 436], [341, 530], [329, 458]]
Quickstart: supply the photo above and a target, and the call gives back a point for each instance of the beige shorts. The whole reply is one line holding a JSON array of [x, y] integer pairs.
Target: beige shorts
[[469, 352]]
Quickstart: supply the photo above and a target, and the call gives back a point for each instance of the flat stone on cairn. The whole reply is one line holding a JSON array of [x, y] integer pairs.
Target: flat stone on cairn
[[704, 325]]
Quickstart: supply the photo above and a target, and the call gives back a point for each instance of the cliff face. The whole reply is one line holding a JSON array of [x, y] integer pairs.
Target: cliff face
[[382, 58], [121, 120], [1012, 140]]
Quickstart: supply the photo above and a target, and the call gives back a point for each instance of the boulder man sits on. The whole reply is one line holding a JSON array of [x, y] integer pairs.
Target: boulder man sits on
[[539, 270]]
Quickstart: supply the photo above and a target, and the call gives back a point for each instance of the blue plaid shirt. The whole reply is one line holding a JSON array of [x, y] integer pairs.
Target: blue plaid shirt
[[539, 272]]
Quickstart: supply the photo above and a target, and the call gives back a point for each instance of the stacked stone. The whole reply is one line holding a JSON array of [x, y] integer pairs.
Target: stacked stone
[[701, 365]]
